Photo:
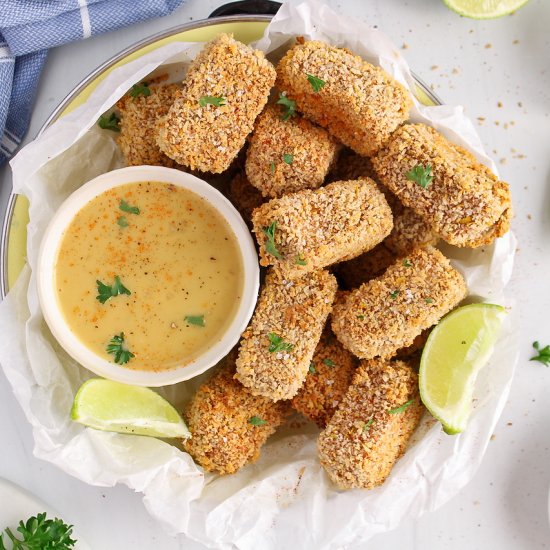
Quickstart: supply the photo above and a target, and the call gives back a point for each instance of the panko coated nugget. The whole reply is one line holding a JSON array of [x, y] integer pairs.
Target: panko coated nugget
[[278, 344], [208, 137], [305, 231], [372, 425], [221, 419], [244, 196], [329, 377], [465, 203], [288, 155], [389, 312], [139, 115], [358, 103], [409, 229]]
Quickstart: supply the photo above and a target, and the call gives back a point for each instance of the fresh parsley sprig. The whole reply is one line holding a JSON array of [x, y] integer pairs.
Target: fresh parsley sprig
[[125, 207], [140, 89], [109, 122], [288, 158], [40, 533], [543, 354], [316, 83], [105, 291], [117, 348], [276, 343], [289, 106], [217, 101], [368, 424], [312, 369], [403, 407], [270, 246], [329, 362], [197, 320], [421, 175], [256, 421]]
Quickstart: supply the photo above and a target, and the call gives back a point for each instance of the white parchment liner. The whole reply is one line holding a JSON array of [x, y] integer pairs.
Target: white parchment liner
[[284, 500]]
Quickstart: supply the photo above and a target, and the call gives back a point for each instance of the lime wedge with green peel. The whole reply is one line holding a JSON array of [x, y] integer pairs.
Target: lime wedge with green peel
[[457, 348], [484, 9], [115, 407]]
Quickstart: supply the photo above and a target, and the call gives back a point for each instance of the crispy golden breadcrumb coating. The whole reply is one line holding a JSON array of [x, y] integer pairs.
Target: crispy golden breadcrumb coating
[[223, 439], [209, 137], [465, 203], [288, 155], [244, 196], [372, 425], [278, 344], [351, 166], [138, 119], [359, 103], [329, 377], [389, 312], [314, 229]]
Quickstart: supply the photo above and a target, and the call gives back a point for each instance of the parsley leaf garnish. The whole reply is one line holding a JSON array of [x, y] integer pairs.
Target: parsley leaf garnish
[[40, 533], [368, 424], [105, 291], [312, 369], [272, 167], [122, 221], [543, 354], [117, 348], [361, 316], [300, 260], [289, 106], [211, 100], [256, 421], [428, 300], [270, 246], [403, 407], [140, 89], [125, 207], [329, 362], [276, 343], [316, 82], [197, 320], [421, 175], [110, 122], [394, 294], [288, 158], [407, 263]]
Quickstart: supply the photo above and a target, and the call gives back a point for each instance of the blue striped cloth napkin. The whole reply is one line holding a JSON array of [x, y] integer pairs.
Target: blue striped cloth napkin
[[29, 28]]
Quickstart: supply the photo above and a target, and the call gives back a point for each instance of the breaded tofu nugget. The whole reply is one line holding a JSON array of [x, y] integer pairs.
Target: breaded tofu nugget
[[389, 312], [228, 424], [353, 273], [288, 155], [138, 119], [226, 88], [277, 347], [464, 203], [244, 196], [372, 425], [355, 101], [305, 231], [329, 377], [409, 229]]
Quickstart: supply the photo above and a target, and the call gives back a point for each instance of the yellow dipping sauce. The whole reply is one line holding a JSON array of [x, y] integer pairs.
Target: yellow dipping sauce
[[176, 256]]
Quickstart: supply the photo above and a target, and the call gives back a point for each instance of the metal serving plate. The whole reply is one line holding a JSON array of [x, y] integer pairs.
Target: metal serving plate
[[246, 28]]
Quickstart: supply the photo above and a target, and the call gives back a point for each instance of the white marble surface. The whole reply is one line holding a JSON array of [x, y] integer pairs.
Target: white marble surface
[[500, 71]]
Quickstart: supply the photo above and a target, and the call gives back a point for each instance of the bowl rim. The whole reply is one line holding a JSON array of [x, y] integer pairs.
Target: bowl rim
[[47, 295]]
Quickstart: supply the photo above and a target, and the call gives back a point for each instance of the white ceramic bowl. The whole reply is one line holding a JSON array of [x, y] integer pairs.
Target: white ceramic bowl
[[47, 263]]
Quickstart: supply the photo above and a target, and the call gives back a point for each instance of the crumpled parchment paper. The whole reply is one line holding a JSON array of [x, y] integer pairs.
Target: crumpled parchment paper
[[284, 500]]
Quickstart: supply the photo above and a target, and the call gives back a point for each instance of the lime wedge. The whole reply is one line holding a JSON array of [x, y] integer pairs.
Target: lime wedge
[[484, 9], [457, 348], [115, 407]]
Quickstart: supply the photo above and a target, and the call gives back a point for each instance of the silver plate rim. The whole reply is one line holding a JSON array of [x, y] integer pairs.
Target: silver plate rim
[[200, 23]]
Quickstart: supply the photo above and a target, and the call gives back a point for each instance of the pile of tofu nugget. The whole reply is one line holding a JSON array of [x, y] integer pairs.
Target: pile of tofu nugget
[[347, 201]]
